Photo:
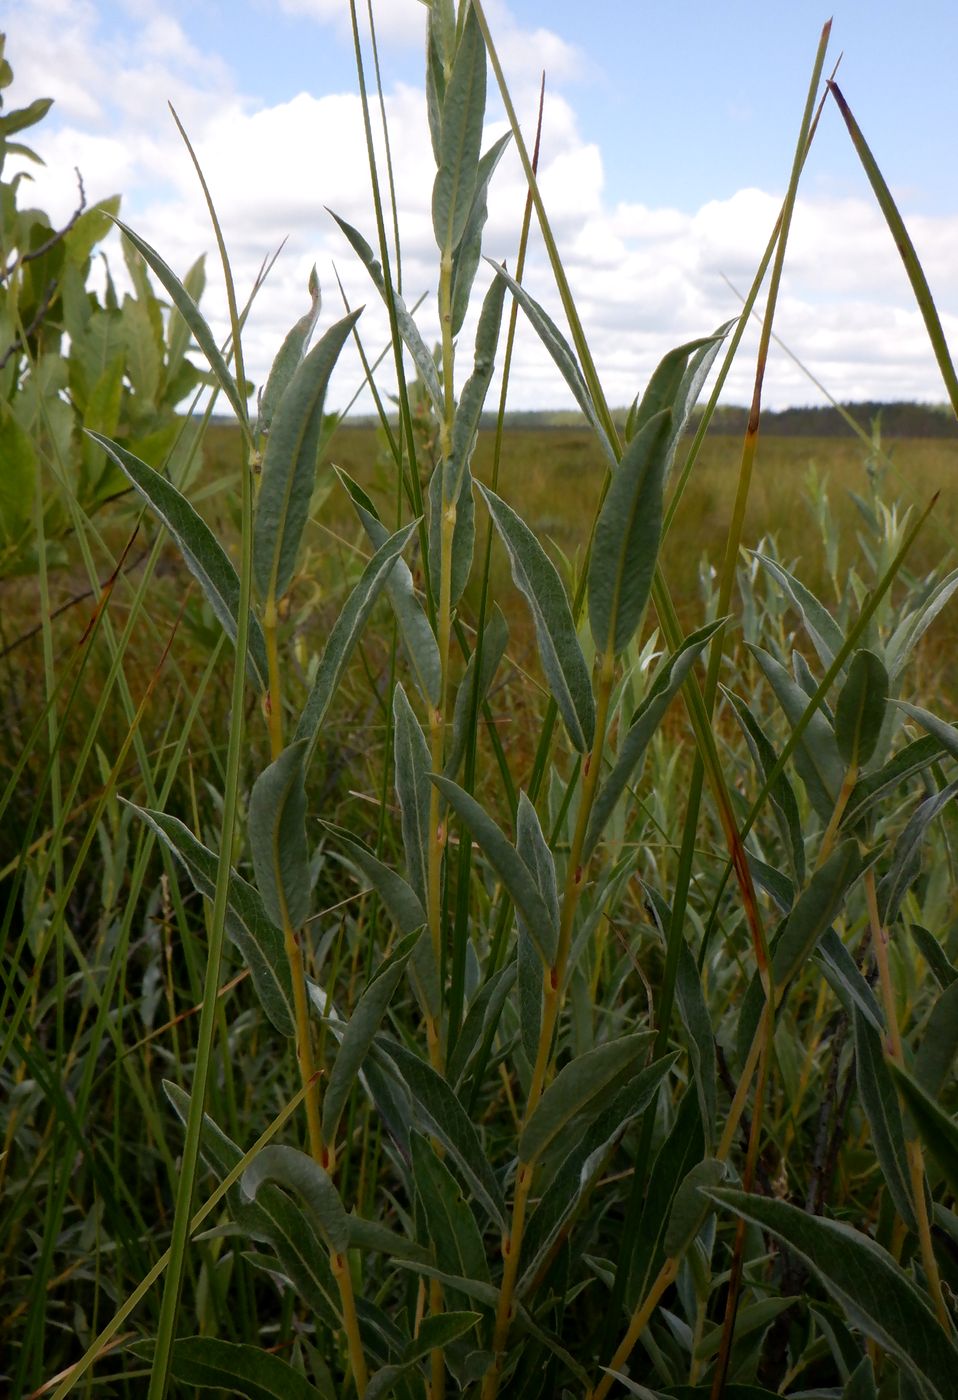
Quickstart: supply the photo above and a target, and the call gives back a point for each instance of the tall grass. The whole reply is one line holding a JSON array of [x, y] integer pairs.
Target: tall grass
[[464, 1005]]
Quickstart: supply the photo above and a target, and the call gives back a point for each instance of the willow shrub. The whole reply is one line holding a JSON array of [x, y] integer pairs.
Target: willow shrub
[[532, 1167]]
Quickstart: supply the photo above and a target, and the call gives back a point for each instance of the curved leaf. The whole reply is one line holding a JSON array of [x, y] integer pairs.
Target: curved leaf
[[288, 1167], [875, 1292], [538, 580], [247, 924], [289, 357], [205, 557], [860, 708], [277, 835]]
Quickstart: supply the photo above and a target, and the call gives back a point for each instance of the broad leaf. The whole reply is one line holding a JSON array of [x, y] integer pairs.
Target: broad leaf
[[690, 1208], [289, 465], [817, 906], [452, 1231], [860, 709], [288, 1167], [445, 1118], [816, 755], [289, 357], [573, 1093], [239, 1368], [627, 534], [463, 108], [466, 259], [277, 835]]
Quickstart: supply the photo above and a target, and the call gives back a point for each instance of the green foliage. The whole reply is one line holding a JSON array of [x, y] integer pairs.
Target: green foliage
[[516, 979], [73, 362]]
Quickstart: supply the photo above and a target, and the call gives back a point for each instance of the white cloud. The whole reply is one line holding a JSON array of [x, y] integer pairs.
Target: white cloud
[[646, 278]]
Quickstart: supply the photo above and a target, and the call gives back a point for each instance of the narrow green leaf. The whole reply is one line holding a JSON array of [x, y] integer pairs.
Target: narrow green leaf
[[465, 424], [538, 580], [255, 935], [876, 1294], [193, 317], [666, 685], [754, 1317], [944, 971], [781, 792], [561, 352], [946, 734], [627, 537], [405, 908], [699, 1038], [237, 1367], [533, 850], [690, 1209], [876, 1091], [463, 108], [360, 1032], [451, 1227], [816, 755], [509, 865], [585, 1161], [860, 709], [861, 1383], [346, 632], [290, 1168], [289, 357], [444, 1117], [939, 1043], [825, 633], [463, 535], [682, 1148], [817, 907], [465, 262], [205, 557], [480, 1021], [676, 384], [494, 640], [418, 637], [913, 627], [906, 248], [439, 1331], [573, 1093], [277, 836], [413, 789], [289, 464], [914, 758], [408, 330], [938, 1130], [906, 861], [842, 973]]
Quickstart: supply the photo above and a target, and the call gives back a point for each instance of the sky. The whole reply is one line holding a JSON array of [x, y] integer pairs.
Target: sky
[[668, 136]]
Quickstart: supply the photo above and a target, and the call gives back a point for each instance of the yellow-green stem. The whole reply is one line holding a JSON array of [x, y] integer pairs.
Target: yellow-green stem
[[339, 1264], [913, 1152], [551, 1005], [828, 840], [640, 1320]]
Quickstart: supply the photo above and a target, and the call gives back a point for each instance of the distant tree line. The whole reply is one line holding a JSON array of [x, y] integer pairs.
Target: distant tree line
[[893, 420]]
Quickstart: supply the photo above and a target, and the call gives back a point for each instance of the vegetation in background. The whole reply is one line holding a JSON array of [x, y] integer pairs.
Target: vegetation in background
[[403, 998]]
